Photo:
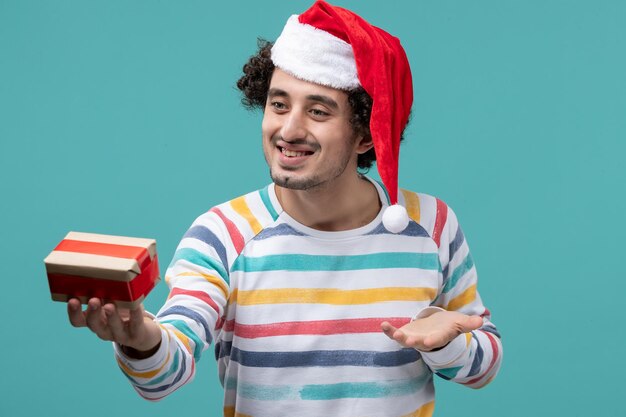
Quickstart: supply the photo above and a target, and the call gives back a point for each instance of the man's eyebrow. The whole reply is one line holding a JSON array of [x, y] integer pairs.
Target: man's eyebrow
[[277, 92], [324, 100]]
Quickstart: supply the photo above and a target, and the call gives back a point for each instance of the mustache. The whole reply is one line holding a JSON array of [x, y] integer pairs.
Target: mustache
[[278, 138]]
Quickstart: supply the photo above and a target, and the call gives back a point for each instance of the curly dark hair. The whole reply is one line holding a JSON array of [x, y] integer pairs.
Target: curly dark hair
[[255, 84]]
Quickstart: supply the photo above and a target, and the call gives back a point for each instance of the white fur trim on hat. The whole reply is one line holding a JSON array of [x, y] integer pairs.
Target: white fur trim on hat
[[314, 55]]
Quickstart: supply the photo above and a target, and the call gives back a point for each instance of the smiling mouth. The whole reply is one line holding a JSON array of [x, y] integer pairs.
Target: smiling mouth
[[293, 154]]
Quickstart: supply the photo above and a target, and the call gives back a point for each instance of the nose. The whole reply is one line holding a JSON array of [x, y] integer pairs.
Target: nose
[[294, 126]]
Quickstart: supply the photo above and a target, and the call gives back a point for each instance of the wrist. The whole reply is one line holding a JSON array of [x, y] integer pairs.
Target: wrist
[[146, 346], [140, 354]]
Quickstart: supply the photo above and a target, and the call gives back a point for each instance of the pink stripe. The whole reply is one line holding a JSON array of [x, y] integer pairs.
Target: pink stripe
[[319, 327], [220, 323], [494, 358], [235, 235], [440, 221], [196, 294]]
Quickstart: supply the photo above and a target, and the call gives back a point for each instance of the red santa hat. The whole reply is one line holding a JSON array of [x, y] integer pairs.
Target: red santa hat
[[332, 46]]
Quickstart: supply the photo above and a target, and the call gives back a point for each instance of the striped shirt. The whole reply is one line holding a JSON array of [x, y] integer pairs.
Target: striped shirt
[[294, 313]]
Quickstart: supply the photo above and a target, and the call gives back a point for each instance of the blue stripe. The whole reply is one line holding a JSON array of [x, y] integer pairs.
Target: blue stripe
[[459, 238], [478, 358], [200, 259], [447, 378], [327, 358], [460, 270], [179, 376], [205, 235], [413, 230], [301, 262], [267, 202], [187, 312], [492, 330], [454, 246], [282, 229], [222, 349]]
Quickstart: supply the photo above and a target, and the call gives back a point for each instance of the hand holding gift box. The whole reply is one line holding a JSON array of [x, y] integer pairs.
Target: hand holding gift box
[[113, 275], [116, 269]]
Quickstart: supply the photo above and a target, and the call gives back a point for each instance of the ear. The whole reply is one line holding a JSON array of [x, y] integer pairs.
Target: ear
[[364, 144]]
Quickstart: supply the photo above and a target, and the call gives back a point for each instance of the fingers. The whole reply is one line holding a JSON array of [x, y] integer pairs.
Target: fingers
[[389, 330], [435, 341], [96, 319], [473, 323], [115, 323], [432, 332], [136, 319], [394, 333], [75, 313]]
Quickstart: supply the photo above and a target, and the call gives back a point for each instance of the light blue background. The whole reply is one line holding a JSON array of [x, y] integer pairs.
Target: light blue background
[[121, 117]]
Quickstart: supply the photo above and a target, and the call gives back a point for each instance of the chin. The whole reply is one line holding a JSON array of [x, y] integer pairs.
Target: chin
[[293, 182]]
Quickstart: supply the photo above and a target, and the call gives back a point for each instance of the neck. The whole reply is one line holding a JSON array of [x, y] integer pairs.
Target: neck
[[345, 205]]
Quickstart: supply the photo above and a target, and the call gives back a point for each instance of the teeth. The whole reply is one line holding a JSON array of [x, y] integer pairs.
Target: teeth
[[292, 153]]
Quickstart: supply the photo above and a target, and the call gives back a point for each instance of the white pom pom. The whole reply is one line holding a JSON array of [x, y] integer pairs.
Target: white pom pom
[[395, 218]]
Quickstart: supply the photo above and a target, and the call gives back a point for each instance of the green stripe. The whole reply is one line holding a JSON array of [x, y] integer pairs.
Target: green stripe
[[200, 259], [449, 372], [268, 203], [459, 271], [379, 389], [182, 327], [300, 262]]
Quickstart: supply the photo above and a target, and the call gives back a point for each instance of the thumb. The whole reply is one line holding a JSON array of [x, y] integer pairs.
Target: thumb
[[472, 323], [136, 318]]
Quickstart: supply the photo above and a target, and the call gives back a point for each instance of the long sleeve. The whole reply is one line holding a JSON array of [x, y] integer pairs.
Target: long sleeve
[[192, 315], [474, 358]]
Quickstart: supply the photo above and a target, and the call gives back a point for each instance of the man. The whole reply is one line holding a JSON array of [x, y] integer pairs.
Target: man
[[325, 293]]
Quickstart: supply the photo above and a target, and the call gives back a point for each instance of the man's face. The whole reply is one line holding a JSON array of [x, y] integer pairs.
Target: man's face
[[307, 137]]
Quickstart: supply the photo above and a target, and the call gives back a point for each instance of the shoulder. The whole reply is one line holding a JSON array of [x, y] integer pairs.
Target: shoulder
[[237, 221], [430, 212]]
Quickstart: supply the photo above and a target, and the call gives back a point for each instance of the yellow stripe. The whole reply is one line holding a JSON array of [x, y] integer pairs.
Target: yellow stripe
[[211, 278], [241, 207], [424, 411], [462, 299], [468, 339], [182, 338], [334, 296], [412, 202], [148, 374], [230, 412]]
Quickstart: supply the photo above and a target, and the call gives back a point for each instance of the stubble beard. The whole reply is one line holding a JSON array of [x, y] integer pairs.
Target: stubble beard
[[311, 182]]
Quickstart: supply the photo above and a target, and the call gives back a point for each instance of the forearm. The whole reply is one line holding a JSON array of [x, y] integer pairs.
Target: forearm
[[472, 358]]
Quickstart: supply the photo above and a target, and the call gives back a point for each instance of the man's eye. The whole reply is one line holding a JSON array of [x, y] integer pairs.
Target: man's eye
[[278, 105], [319, 113]]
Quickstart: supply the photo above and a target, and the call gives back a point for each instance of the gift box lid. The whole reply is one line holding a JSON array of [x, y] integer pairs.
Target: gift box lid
[[91, 255]]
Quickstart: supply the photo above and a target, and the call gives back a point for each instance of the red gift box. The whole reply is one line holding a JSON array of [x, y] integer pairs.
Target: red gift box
[[117, 269]]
